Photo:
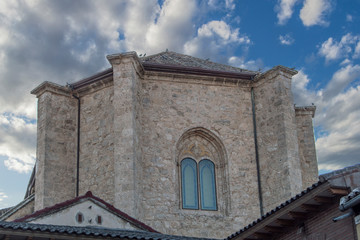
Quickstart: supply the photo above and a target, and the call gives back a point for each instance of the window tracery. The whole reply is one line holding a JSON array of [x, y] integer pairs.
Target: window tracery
[[203, 183]]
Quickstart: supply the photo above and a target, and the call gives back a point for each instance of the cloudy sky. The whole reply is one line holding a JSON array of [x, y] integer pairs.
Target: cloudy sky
[[64, 40]]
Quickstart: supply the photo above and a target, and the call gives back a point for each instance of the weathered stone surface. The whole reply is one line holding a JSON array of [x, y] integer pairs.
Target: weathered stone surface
[[23, 211], [306, 141], [136, 128], [277, 138], [56, 149], [96, 171]]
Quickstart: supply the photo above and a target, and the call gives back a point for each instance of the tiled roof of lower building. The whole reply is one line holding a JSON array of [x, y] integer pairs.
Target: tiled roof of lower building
[[16, 229]]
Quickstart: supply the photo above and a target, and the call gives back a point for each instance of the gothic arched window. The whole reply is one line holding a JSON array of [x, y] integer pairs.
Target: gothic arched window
[[207, 185], [198, 179]]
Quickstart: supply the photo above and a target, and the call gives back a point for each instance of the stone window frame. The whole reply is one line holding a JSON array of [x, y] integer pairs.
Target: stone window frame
[[199, 196], [217, 155]]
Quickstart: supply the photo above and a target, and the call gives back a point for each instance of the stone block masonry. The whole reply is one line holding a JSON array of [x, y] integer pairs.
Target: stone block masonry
[[140, 119], [56, 145]]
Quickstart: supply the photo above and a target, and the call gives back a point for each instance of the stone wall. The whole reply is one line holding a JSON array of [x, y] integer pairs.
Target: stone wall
[[138, 125], [56, 145], [277, 137], [21, 212], [96, 171], [174, 105], [306, 141]]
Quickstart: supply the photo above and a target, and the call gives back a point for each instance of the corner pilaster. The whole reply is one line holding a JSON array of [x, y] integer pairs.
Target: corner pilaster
[[277, 137], [127, 71], [56, 145], [306, 141]]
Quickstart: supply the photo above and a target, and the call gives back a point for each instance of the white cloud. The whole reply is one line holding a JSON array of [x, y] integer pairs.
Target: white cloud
[[227, 4], [357, 51], [338, 115], [286, 39], [254, 65], [340, 80], [285, 10], [215, 37], [348, 45], [303, 96], [230, 4], [173, 26], [17, 142], [2, 196], [345, 62], [349, 18], [314, 11]]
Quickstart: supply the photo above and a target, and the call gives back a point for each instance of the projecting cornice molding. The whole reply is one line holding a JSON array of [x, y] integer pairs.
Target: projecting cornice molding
[[305, 110], [275, 72], [51, 87], [126, 59]]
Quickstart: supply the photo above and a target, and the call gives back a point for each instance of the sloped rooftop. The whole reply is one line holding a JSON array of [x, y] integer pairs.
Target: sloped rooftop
[[21, 230], [172, 62], [177, 59]]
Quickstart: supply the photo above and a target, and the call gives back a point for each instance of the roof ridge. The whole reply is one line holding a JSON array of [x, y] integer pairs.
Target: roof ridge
[[199, 61]]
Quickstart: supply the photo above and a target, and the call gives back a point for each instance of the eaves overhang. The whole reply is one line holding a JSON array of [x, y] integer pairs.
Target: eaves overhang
[[196, 71], [151, 67], [291, 213], [92, 79]]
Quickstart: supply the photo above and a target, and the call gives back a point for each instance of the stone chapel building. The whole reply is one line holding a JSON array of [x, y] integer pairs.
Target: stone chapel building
[[185, 145]]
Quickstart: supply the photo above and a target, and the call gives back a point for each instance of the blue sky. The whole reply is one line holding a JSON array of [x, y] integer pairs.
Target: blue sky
[[63, 41]]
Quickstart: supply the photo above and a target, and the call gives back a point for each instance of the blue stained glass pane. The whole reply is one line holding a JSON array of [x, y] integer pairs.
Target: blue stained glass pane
[[189, 184], [207, 185]]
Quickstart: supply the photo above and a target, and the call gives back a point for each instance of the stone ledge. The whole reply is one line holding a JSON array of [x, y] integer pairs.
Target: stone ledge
[[128, 57], [275, 71], [51, 87], [305, 110], [195, 79]]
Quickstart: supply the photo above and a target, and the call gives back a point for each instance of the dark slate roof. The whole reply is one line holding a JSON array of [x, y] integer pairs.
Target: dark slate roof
[[88, 195], [86, 231], [177, 59], [172, 62]]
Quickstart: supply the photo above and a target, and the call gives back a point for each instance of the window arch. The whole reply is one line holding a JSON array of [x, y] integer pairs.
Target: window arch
[[201, 154], [189, 184], [207, 184], [198, 179]]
